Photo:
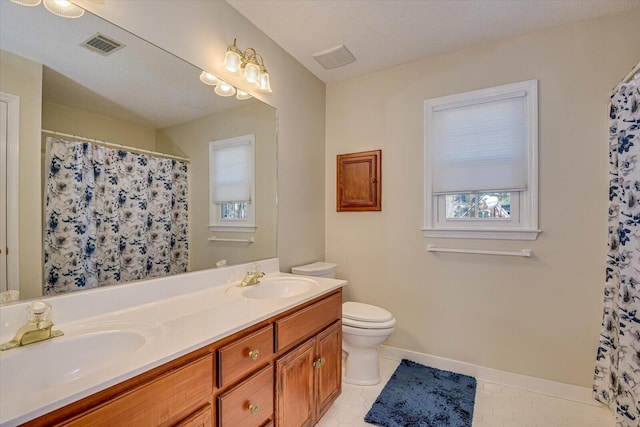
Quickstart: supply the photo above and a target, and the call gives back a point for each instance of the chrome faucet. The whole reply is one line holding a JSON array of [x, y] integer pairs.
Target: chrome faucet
[[37, 328], [253, 276]]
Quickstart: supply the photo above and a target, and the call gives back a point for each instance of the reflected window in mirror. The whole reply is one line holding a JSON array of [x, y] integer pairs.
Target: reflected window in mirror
[[232, 188]]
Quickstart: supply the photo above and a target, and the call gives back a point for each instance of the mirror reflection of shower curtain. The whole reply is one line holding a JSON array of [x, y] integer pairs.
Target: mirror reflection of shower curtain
[[617, 371], [111, 216]]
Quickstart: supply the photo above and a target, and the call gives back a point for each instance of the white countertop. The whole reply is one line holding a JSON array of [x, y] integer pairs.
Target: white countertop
[[178, 314]]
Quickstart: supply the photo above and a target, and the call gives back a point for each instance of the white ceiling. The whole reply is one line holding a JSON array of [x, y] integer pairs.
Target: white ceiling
[[386, 33]]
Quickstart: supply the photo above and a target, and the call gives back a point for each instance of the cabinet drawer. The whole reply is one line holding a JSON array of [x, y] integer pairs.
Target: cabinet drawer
[[248, 404], [170, 397], [244, 355], [302, 324], [201, 418]]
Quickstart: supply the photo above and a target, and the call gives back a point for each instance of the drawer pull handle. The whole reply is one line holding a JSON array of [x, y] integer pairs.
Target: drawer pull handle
[[319, 363], [253, 354], [253, 408]]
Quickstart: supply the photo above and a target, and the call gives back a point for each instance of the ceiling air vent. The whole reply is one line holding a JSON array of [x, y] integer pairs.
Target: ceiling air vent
[[335, 57], [102, 44]]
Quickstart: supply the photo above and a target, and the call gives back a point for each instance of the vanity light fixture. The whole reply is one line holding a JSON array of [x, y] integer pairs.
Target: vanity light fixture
[[62, 8], [249, 64]]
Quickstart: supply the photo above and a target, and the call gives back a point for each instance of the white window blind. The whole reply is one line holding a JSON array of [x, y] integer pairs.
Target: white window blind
[[480, 145], [232, 172]]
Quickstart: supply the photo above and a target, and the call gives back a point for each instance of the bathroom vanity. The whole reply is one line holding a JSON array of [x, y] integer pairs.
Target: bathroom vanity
[[220, 355]]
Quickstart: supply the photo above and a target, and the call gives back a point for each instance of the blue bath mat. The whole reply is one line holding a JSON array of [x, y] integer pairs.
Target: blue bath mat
[[417, 395]]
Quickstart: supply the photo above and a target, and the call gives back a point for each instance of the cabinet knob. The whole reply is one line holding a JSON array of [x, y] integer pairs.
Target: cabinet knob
[[253, 354], [253, 408], [319, 363]]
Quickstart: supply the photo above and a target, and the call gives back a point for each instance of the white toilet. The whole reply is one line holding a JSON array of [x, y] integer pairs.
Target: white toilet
[[364, 328]]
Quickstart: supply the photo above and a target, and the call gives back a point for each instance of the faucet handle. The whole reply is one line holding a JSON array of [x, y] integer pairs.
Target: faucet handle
[[38, 311]]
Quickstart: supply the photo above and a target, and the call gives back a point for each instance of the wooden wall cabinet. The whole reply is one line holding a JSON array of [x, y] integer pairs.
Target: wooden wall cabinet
[[359, 181], [281, 370]]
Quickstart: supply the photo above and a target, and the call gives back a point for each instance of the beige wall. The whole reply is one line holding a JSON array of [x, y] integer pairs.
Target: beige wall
[[22, 77], [192, 139], [65, 119], [538, 316], [199, 31]]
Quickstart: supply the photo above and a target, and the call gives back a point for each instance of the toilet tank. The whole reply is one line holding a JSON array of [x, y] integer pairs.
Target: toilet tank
[[319, 269]]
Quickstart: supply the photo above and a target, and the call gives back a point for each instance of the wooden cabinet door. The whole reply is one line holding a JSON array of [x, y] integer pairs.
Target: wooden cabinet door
[[329, 372], [359, 186], [295, 387]]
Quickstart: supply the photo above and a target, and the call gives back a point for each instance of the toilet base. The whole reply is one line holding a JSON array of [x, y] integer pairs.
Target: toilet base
[[361, 367]]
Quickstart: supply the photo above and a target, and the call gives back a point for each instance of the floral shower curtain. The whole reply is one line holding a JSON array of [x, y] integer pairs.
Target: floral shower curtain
[[617, 372], [111, 216]]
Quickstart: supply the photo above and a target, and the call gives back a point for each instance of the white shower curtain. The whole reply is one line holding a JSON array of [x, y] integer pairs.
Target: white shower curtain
[[111, 216], [617, 372]]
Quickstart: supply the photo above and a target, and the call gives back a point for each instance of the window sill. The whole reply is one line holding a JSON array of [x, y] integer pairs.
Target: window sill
[[491, 234], [249, 228]]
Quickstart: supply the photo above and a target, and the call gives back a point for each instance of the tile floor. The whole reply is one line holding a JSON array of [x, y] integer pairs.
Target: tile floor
[[496, 406]]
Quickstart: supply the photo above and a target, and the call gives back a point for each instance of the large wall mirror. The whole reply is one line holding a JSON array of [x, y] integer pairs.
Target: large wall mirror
[[138, 96]]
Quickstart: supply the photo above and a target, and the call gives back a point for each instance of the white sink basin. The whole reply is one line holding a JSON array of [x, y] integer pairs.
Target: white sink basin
[[280, 287], [82, 351]]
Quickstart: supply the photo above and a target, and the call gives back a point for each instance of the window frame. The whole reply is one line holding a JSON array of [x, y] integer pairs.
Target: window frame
[[216, 222], [525, 226]]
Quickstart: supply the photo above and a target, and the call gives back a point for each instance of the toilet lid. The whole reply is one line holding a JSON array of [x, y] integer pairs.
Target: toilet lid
[[365, 313]]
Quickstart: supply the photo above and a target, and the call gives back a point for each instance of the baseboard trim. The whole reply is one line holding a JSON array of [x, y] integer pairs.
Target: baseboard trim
[[524, 382]]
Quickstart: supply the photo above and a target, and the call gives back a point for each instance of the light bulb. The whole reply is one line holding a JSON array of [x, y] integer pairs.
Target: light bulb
[[225, 89], [231, 62], [263, 79], [63, 8], [242, 95], [251, 73], [208, 79]]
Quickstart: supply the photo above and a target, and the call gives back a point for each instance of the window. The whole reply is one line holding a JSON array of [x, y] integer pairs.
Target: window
[[231, 179], [481, 164]]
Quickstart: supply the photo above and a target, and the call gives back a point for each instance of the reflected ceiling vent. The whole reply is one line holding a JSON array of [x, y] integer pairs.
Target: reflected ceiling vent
[[99, 43], [334, 57]]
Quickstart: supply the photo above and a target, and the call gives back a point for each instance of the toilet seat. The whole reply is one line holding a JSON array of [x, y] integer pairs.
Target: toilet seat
[[366, 316], [368, 325]]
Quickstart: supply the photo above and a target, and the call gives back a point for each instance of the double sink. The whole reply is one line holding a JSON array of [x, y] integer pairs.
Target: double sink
[[89, 348]]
